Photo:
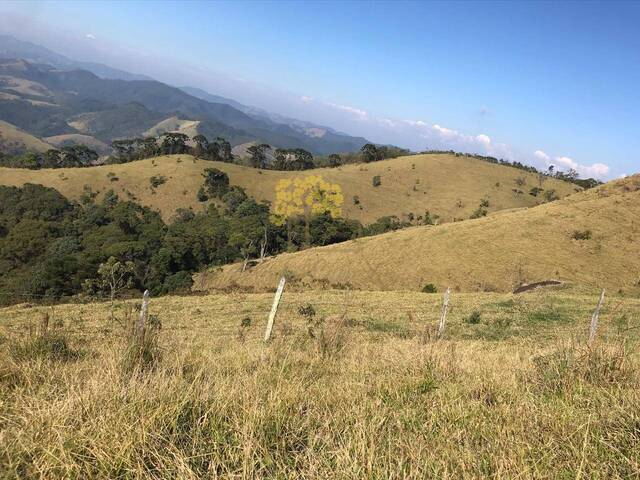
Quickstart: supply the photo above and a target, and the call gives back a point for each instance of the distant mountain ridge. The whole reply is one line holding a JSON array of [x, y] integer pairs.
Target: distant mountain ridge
[[47, 95], [11, 47]]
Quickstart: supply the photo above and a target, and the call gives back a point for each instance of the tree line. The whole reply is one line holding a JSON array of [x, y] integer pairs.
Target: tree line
[[260, 155], [66, 157]]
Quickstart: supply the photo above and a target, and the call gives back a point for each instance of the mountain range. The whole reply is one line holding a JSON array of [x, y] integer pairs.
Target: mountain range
[[46, 94]]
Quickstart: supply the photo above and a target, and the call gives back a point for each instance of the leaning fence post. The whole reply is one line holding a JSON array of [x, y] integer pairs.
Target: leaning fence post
[[142, 319], [443, 313], [594, 319], [274, 309]]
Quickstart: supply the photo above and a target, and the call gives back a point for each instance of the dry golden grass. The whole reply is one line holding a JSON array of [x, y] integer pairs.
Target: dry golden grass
[[77, 138], [446, 185], [174, 124], [12, 139], [494, 253], [516, 396]]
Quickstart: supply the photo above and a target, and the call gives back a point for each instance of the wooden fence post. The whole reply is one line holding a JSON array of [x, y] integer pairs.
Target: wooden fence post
[[594, 319], [142, 319], [443, 313], [274, 309]]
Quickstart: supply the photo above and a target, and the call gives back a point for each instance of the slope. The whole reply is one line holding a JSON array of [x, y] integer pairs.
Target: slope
[[449, 186], [13, 140], [494, 253], [79, 139], [70, 94]]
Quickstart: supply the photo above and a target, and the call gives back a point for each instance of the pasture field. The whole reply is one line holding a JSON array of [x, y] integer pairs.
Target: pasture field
[[13, 139], [446, 185], [352, 385], [588, 238]]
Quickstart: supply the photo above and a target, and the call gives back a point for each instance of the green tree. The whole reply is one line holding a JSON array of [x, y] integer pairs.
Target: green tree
[[173, 143], [370, 153], [202, 145], [113, 277], [334, 160], [216, 183], [258, 157]]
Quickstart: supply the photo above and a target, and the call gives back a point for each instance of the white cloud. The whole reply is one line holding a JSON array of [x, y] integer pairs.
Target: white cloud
[[415, 123], [90, 36], [387, 122], [539, 154], [484, 139], [447, 132], [362, 114], [596, 170], [438, 137]]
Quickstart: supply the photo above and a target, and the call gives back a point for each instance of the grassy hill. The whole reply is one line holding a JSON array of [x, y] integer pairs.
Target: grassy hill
[[173, 124], [79, 139], [15, 140], [446, 185], [590, 238]]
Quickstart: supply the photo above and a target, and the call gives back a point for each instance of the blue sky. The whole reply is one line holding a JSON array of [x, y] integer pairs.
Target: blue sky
[[536, 82]]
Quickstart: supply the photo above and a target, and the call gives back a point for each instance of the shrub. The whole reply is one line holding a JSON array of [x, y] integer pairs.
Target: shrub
[[356, 200], [307, 311], [202, 195], [479, 213], [581, 235], [535, 191], [157, 180], [551, 196], [429, 288], [474, 318], [377, 181], [216, 182]]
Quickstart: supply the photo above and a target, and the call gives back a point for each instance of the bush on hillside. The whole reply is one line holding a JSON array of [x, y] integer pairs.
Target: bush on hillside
[[216, 183], [156, 180], [474, 318], [581, 235], [429, 288]]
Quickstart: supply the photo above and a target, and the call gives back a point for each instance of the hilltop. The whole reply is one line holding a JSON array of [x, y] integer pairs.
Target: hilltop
[[590, 238], [449, 186]]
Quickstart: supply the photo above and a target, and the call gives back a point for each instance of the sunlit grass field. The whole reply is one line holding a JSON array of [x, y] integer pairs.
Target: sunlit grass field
[[446, 185], [496, 253], [352, 385]]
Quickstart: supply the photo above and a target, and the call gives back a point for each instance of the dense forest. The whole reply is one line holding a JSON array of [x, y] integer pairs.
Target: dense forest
[[51, 247]]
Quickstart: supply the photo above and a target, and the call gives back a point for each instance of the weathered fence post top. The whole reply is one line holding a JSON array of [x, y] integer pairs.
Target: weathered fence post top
[[274, 309], [443, 313], [144, 309]]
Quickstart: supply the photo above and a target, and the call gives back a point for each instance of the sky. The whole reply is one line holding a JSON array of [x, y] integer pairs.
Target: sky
[[537, 82]]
